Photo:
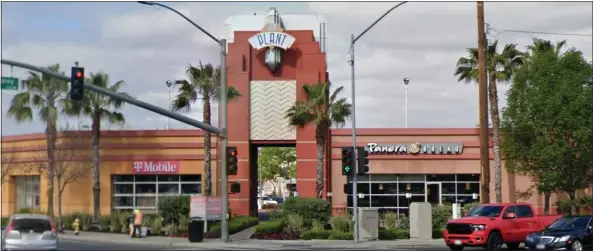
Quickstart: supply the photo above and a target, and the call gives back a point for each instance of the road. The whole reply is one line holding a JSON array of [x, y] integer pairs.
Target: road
[[86, 245]]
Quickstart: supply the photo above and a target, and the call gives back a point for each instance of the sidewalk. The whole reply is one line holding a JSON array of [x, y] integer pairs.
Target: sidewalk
[[161, 241]]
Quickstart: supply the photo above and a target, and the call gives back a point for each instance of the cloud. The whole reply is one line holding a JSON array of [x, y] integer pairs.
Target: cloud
[[419, 40]]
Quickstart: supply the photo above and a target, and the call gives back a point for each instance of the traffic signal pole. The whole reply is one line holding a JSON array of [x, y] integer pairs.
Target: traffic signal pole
[[122, 97]]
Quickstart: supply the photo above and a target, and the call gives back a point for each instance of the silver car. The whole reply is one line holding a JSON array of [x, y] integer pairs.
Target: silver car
[[29, 232]]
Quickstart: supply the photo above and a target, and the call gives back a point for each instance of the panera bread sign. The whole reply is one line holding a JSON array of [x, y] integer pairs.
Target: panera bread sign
[[155, 167], [415, 148]]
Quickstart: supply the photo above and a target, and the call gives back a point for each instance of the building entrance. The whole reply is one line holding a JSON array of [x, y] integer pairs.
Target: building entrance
[[433, 193]]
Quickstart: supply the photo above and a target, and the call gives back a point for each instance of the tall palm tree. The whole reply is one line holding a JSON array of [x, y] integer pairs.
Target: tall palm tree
[[499, 69], [323, 110], [48, 96], [203, 83], [98, 108], [538, 47]]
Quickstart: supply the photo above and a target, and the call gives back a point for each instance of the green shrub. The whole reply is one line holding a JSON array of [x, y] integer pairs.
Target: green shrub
[[171, 207], [104, 222], [390, 219], [30, 211], [270, 227], [171, 229], [437, 233], [563, 206], [386, 234], [183, 224], [294, 223], [316, 225], [335, 235], [114, 224], [316, 234], [440, 215], [156, 226], [308, 208], [401, 234], [586, 202], [403, 222], [5, 221], [123, 223], [342, 223], [236, 224]]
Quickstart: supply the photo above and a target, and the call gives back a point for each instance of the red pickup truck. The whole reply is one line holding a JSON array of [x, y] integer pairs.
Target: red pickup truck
[[491, 225]]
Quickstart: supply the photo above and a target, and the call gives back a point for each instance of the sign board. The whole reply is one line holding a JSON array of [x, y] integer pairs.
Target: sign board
[[9, 83], [155, 167], [416, 148], [205, 207], [271, 39]]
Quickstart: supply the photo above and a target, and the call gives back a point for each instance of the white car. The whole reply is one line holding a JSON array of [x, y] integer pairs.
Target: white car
[[30, 232]]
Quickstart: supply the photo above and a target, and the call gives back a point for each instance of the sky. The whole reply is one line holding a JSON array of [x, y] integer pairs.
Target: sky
[[146, 46]]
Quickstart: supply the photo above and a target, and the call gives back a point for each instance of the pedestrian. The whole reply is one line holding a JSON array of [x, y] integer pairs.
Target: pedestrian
[[137, 224]]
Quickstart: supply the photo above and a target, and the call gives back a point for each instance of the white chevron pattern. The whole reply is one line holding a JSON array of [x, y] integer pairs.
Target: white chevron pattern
[[269, 102]]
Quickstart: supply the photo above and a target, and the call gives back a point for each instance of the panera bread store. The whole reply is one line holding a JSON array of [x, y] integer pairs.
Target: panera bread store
[[439, 166]]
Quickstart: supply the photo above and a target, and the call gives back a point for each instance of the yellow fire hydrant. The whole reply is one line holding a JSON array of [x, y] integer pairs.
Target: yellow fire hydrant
[[76, 226]]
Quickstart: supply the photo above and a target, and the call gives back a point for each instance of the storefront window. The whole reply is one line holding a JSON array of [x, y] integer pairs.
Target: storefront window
[[144, 191], [388, 191], [27, 191]]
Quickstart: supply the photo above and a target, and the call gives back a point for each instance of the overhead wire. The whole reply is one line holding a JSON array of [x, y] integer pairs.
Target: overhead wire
[[499, 31]]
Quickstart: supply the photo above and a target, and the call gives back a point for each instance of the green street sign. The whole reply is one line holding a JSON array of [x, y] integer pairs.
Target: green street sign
[[10, 83]]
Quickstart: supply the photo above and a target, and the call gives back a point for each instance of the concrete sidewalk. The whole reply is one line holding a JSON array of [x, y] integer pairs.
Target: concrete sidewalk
[[246, 243]]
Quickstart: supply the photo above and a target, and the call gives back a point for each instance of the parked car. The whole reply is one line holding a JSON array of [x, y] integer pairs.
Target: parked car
[[30, 232], [267, 200], [491, 225], [573, 233]]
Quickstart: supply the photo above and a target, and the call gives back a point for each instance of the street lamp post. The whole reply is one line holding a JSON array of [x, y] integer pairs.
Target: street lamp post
[[353, 40], [169, 83], [224, 233], [406, 82]]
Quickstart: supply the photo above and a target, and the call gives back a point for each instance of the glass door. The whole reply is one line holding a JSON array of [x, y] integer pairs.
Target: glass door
[[433, 193]]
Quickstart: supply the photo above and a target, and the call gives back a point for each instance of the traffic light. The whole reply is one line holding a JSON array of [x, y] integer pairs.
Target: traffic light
[[77, 83], [235, 187], [363, 161], [232, 161], [348, 160]]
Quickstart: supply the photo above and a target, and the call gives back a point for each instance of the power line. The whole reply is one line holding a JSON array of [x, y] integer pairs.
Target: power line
[[538, 32]]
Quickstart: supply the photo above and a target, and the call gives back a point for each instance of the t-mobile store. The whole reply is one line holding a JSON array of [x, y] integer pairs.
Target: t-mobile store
[[438, 166], [150, 181]]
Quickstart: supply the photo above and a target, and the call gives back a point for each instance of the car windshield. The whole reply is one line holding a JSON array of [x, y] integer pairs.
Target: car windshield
[[31, 225], [570, 223], [486, 211]]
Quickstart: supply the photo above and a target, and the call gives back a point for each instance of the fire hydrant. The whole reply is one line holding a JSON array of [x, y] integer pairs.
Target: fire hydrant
[[76, 226]]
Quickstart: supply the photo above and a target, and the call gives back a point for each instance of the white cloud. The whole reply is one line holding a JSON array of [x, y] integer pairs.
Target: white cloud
[[419, 40]]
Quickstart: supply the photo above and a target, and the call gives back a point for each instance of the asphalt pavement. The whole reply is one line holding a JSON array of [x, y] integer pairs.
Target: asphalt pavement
[[89, 245]]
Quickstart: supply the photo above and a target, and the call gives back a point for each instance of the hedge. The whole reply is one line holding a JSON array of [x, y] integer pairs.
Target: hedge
[[270, 227], [394, 234], [311, 209], [236, 224]]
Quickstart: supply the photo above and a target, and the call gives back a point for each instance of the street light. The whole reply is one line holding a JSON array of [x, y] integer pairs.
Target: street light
[[224, 233], [406, 82], [351, 62]]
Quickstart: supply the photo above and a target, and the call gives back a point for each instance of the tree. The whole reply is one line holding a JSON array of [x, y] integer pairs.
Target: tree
[[98, 108], [548, 125], [69, 169], [277, 163], [204, 84], [543, 46], [324, 111], [499, 69], [49, 96]]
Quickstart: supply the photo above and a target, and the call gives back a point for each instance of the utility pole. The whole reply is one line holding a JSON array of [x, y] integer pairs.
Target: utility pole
[[483, 97]]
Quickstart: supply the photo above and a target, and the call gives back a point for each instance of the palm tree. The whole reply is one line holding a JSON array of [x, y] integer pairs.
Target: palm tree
[[204, 84], [538, 47], [48, 96], [499, 69], [98, 108], [323, 110]]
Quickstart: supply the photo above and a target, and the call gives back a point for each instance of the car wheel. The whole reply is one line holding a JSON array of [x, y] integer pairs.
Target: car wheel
[[494, 242], [576, 246], [513, 245], [454, 248]]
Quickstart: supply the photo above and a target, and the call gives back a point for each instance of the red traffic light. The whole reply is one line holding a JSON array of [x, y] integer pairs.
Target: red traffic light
[[78, 74], [234, 153]]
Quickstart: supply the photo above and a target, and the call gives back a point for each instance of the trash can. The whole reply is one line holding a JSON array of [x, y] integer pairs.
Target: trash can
[[195, 230]]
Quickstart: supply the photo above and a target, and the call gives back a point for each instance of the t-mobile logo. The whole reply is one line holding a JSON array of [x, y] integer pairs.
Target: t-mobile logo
[[138, 166], [155, 166]]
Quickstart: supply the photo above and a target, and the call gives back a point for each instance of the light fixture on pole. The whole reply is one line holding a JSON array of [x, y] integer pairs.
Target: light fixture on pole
[[224, 179], [353, 40], [406, 82], [169, 83]]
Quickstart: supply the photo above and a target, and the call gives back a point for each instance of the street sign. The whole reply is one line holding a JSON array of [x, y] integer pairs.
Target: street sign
[[10, 83]]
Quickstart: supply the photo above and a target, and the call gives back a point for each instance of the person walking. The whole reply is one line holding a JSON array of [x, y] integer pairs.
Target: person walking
[[137, 224]]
